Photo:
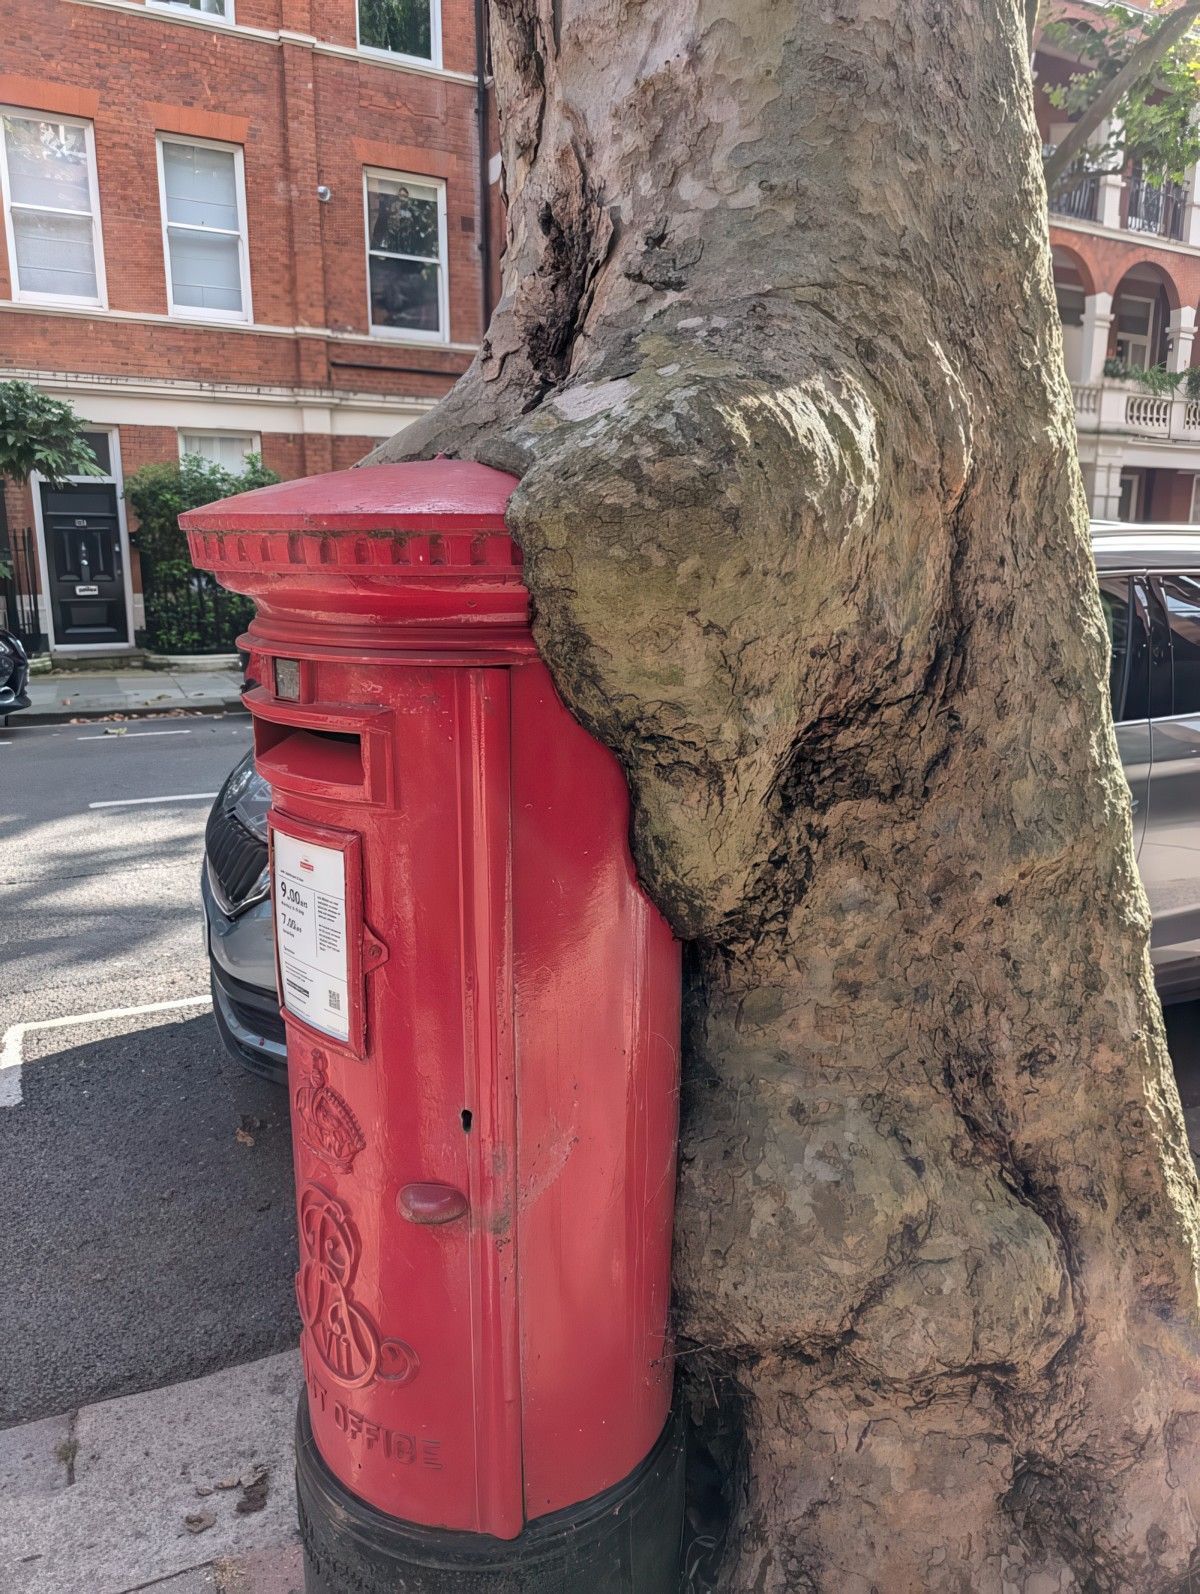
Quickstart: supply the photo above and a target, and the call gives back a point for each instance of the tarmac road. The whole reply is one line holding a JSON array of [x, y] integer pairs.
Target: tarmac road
[[147, 1229]]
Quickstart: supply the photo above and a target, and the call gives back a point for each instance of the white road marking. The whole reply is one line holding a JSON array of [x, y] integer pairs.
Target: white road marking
[[11, 1051], [177, 797], [122, 736]]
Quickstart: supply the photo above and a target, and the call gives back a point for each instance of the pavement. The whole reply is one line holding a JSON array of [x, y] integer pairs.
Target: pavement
[[188, 1489], [148, 1237], [71, 694]]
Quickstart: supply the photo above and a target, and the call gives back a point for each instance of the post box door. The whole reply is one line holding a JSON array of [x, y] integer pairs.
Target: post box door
[[409, 1307]]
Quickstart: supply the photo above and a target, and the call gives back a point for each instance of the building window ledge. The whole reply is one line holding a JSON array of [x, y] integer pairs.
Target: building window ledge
[[260, 328], [197, 19]]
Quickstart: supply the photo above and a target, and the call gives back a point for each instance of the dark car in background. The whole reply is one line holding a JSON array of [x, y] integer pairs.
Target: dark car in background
[[14, 675], [236, 890]]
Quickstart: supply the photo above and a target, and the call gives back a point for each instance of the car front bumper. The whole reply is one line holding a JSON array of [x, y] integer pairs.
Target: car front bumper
[[241, 953]]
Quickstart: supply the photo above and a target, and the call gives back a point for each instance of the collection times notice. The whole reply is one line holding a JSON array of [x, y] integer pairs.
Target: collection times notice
[[310, 932]]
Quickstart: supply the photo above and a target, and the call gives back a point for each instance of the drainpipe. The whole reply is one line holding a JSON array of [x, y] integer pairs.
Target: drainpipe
[[485, 228]]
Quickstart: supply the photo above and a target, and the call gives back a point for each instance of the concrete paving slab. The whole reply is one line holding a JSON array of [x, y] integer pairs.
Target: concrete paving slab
[[142, 1466], [278, 1571], [203, 1580], [34, 1457]]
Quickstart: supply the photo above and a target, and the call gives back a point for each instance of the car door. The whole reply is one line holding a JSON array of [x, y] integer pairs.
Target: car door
[[1170, 856], [1125, 603]]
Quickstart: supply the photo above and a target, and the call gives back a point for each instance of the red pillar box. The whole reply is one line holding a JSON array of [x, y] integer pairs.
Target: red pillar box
[[482, 1015]]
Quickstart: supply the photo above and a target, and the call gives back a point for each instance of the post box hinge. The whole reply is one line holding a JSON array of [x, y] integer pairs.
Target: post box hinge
[[374, 951]]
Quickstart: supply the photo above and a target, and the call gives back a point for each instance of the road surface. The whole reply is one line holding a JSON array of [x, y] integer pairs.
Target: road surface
[[147, 1228]]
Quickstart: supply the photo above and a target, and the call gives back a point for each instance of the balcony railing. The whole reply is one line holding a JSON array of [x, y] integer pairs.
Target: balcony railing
[[1130, 202], [1112, 406], [1154, 209], [1077, 197]]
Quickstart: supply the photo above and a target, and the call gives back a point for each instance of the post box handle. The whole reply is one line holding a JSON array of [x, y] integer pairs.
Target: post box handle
[[431, 1203]]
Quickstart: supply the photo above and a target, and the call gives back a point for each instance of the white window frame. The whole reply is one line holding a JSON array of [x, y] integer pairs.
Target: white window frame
[[26, 295], [212, 17], [406, 334], [435, 40], [254, 438], [1151, 336], [193, 312]]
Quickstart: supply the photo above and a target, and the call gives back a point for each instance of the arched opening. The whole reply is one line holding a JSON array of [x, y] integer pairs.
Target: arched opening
[[1072, 285], [1141, 321]]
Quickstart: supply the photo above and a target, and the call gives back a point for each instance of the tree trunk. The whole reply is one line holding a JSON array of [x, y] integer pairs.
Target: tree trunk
[[778, 363]]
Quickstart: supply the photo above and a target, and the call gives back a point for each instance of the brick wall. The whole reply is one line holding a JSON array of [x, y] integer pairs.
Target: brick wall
[[303, 115], [302, 118]]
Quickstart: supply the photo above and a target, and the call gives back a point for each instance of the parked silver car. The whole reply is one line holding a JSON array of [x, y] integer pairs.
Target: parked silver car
[[1150, 589]]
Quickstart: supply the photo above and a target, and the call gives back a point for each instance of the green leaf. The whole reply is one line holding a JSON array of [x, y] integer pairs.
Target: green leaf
[[39, 433]]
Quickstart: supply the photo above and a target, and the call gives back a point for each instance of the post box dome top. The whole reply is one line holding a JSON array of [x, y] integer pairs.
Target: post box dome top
[[430, 496]]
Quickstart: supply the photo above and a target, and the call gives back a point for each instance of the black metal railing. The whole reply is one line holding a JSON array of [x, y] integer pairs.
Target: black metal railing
[[187, 612], [1157, 208], [19, 588], [1077, 196]]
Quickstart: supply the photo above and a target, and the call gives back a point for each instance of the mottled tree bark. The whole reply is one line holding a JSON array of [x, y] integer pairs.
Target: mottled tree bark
[[779, 366]]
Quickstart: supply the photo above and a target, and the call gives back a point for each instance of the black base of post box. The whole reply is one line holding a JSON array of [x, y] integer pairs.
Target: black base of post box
[[623, 1541]]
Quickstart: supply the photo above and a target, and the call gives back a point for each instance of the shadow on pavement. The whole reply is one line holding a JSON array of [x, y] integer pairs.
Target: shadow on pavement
[[143, 1241]]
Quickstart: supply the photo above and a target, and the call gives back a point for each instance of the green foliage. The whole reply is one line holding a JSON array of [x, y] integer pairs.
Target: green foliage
[[186, 612], [1155, 378], [1153, 124], [40, 433], [158, 494], [400, 25]]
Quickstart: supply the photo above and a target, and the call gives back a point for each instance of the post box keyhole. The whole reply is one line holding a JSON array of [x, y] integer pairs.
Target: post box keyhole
[[466, 1119]]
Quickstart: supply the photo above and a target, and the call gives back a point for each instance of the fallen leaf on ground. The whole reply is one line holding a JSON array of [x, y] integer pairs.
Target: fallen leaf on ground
[[199, 1521], [242, 1138], [203, 1488], [255, 1484], [228, 1483]]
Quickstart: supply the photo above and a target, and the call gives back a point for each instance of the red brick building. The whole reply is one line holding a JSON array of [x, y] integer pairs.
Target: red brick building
[[1127, 278], [230, 226]]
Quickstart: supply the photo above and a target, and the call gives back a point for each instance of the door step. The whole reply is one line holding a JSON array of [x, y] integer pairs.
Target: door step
[[117, 659]]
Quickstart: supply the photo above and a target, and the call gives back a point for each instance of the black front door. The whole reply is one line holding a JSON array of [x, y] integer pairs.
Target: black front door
[[83, 550]]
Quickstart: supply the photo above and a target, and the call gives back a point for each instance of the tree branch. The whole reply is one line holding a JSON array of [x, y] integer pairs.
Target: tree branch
[[1139, 66]]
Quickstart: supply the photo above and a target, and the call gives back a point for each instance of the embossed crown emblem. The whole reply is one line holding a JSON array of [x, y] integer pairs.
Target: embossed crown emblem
[[328, 1127]]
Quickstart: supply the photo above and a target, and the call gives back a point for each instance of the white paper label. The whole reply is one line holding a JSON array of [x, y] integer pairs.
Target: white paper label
[[310, 931]]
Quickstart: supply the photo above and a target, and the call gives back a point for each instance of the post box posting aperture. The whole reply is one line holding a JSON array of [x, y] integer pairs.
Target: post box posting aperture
[[482, 1012]]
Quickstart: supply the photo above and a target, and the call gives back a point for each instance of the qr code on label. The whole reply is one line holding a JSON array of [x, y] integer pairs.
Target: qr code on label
[[335, 1001]]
